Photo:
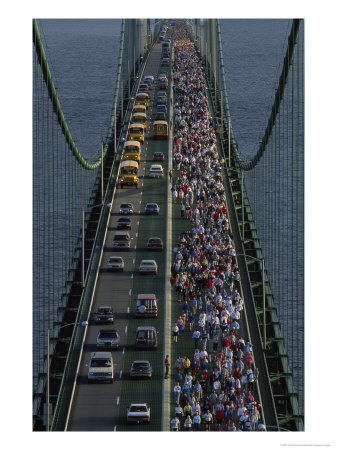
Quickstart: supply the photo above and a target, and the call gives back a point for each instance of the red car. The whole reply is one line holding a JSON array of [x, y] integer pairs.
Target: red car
[[158, 156], [155, 243]]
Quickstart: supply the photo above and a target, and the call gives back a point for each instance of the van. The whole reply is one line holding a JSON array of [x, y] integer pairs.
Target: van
[[129, 173], [121, 240], [160, 129], [136, 132], [146, 305], [146, 337], [142, 98], [101, 367], [132, 151], [139, 117]]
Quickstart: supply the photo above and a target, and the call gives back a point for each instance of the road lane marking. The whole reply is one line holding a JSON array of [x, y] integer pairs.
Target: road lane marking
[[117, 400], [134, 260], [120, 374], [115, 428], [132, 275], [129, 291], [126, 329], [129, 306], [123, 350]]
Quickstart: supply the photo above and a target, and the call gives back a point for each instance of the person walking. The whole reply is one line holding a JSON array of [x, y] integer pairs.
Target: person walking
[[175, 424], [167, 366], [177, 392], [175, 331], [208, 420]]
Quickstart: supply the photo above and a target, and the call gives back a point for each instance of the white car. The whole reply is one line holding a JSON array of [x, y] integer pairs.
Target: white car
[[115, 263], [156, 171], [148, 266], [138, 412]]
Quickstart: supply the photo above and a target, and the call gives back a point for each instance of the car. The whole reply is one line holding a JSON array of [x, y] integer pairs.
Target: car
[[161, 108], [163, 74], [160, 116], [137, 413], [126, 208], [146, 305], [158, 156], [144, 87], [140, 369], [148, 266], [115, 263], [155, 243], [101, 367], [121, 241], [124, 223], [148, 79], [161, 100], [146, 337], [156, 171], [104, 314], [165, 62], [163, 84], [107, 338], [152, 208]]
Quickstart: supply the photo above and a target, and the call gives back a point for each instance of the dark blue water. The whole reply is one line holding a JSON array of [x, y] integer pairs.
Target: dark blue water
[[83, 58]]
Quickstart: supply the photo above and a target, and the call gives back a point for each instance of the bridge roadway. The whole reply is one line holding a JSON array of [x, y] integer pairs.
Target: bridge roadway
[[102, 407]]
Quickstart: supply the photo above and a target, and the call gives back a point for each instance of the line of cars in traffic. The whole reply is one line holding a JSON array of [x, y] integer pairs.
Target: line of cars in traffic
[[101, 362]]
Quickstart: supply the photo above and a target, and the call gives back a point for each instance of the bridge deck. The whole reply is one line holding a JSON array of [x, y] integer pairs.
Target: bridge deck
[[102, 407]]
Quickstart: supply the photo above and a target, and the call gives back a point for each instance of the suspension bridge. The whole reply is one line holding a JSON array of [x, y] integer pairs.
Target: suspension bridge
[[75, 197]]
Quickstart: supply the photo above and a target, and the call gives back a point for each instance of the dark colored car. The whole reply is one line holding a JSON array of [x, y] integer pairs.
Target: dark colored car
[[146, 337], [158, 156], [160, 116], [163, 85], [104, 314], [161, 108], [151, 208], [124, 223], [155, 243], [140, 369]]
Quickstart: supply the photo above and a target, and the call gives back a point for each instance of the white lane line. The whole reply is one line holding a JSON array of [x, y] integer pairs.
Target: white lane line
[[117, 400], [132, 275], [134, 260], [120, 374], [129, 306], [135, 247], [129, 291], [136, 234], [126, 329], [140, 202], [123, 351], [115, 428], [138, 222]]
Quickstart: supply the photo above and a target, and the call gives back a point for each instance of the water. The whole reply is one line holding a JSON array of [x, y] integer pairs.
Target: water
[[253, 54], [83, 54]]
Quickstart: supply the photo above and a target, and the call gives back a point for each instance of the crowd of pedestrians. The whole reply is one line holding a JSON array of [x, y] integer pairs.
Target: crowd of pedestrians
[[214, 386]]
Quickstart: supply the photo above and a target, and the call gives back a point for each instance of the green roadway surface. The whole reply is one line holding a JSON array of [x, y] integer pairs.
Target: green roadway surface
[[144, 390]]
